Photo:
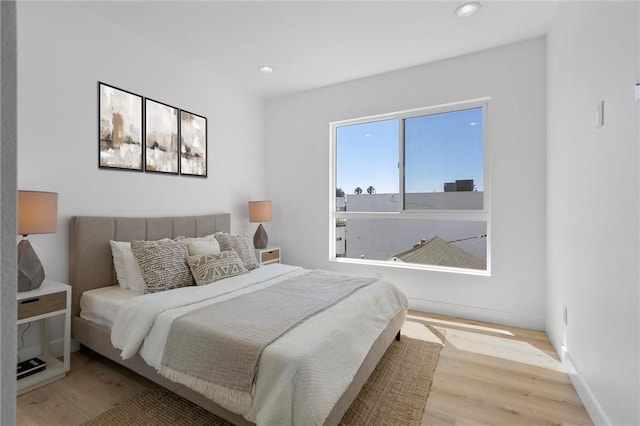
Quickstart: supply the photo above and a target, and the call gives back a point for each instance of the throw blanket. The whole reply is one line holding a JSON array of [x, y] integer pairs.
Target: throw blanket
[[218, 347]]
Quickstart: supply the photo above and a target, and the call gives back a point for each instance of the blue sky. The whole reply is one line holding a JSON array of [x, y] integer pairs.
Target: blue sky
[[439, 148]]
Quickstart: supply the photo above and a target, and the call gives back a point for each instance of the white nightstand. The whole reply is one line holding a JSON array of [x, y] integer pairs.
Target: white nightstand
[[268, 255], [51, 299]]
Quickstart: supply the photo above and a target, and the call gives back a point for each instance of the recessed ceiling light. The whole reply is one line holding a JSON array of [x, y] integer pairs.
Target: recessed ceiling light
[[467, 9], [266, 69]]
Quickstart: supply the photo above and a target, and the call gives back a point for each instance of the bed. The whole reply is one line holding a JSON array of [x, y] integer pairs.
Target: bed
[[295, 382]]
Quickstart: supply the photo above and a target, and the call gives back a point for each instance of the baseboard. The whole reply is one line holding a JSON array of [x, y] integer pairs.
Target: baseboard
[[595, 411], [513, 319], [557, 344]]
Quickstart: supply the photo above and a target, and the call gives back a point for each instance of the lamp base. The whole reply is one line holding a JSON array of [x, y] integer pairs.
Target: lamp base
[[260, 238], [30, 270]]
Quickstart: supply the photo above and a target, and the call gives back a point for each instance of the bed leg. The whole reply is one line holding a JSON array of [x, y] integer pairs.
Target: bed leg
[[398, 336]]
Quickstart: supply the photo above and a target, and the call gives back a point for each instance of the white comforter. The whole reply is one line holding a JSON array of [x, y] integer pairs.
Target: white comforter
[[302, 374]]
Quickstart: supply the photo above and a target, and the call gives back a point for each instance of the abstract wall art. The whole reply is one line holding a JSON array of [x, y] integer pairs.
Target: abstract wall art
[[161, 137], [193, 144], [120, 128], [142, 134]]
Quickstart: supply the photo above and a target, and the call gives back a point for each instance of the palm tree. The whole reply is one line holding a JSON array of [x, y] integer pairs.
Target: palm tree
[[371, 190], [357, 191]]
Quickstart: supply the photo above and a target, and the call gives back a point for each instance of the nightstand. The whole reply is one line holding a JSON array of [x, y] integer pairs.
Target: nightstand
[[268, 255], [51, 299]]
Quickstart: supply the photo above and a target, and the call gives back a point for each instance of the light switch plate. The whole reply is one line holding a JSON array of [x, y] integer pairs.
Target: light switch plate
[[599, 114], [638, 92]]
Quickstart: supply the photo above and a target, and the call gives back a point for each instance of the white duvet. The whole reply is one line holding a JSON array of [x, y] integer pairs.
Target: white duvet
[[302, 374]]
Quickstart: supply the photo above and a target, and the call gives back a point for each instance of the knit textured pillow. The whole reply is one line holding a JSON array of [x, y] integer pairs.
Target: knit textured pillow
[[211, 267], [242, 245], [163, 264]]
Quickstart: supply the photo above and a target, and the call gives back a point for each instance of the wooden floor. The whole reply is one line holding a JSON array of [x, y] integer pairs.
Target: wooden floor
[[487, 374], [491, 374]]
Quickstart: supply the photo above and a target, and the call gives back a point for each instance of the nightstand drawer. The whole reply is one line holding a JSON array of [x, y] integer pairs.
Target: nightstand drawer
[[42, 304], [267, 256]]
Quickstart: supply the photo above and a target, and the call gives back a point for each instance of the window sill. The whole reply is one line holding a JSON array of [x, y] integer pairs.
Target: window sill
[[413, 266]]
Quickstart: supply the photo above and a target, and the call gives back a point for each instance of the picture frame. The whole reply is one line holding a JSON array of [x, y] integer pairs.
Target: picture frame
[[161, 137], [193, 144], [120, 144]]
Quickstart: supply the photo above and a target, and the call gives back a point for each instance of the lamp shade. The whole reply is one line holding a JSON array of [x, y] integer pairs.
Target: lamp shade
[[37, 212], [260, 211]]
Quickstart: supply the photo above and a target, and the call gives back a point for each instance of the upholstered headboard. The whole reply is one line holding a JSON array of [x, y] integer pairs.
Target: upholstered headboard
[[90, 261]]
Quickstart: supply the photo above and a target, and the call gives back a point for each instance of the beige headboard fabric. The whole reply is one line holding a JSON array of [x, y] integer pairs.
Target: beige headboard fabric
[[90, 261]]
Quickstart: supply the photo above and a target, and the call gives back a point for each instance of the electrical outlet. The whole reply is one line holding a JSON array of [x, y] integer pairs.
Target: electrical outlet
[[564, 315]]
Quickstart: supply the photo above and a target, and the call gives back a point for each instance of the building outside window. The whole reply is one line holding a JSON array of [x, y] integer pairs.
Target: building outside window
[[412, 188]]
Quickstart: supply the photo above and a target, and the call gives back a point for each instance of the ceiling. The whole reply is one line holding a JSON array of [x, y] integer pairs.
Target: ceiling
[[312, 44]]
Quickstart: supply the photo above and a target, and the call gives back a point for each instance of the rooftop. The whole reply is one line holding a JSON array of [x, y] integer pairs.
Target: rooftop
[[437, 251]]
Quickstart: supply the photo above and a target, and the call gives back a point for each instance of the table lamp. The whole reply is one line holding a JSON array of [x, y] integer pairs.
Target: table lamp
[[37, 214], [260, 211]]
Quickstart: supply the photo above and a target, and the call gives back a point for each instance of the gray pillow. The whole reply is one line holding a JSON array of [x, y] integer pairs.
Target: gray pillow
[[163, 264], [242, 245], [211, 267]]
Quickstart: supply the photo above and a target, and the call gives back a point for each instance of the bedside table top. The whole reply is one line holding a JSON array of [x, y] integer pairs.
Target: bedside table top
[[47, 287]]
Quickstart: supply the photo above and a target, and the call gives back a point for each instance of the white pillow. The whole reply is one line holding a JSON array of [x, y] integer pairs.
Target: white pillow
[[203, 245], [126, 265]]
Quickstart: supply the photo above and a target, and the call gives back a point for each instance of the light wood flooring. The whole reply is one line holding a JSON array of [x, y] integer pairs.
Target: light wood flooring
[[487, 374]]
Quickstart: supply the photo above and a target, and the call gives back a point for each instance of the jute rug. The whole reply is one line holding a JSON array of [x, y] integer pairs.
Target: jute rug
[[395, 394]]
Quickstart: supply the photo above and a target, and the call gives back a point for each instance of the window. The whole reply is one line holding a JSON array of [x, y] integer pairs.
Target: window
[[412, 190]]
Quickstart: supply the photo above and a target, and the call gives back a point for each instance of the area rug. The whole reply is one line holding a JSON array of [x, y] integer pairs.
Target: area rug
[[395, 394]]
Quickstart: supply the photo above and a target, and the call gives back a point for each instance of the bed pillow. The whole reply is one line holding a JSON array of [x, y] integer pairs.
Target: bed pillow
[[203, 245], [211, 267], [242, 245], [163, 264], [126, 266]]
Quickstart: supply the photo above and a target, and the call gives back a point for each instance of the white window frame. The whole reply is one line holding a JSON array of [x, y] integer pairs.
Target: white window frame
[[483, 215]]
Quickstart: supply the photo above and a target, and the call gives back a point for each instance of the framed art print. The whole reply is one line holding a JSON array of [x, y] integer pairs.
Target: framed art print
[[161, 137], [119, 128], [193, 144]]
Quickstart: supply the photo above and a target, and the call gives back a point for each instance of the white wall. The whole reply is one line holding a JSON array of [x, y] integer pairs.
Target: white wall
[[592, 248], [298, 176], [63, 51]]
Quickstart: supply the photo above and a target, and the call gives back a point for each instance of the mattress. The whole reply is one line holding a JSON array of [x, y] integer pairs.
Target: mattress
[[101, 305]]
